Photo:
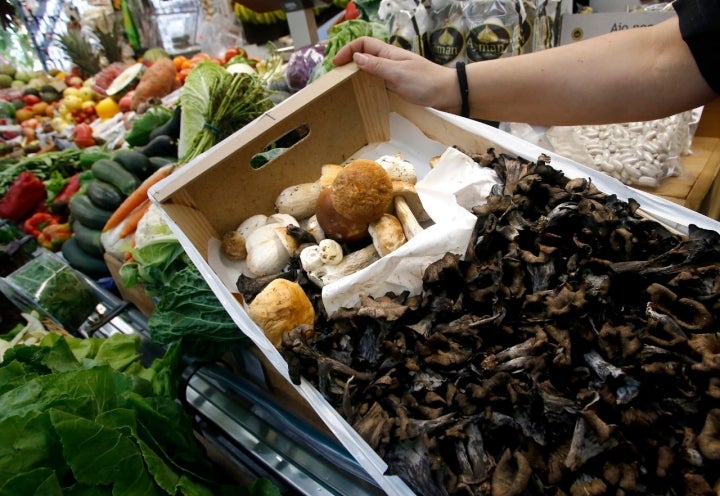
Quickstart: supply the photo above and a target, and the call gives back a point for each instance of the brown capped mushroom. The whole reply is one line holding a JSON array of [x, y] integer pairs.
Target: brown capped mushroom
[[279, 308], [233, 245], [362, 191], [334, 225]]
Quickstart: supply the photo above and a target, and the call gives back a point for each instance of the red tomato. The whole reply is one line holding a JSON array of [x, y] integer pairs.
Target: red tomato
[[31, 99], [83, 131], [233, 52], [351, 11]]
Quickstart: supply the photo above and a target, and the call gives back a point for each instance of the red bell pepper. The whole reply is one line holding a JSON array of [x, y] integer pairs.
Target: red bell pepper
[[62, 200], [351, 11], [23, 196], [38, 221], [53, 236]]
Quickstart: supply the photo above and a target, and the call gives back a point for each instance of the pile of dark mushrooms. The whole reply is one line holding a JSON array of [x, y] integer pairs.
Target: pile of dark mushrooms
[[573, 350]]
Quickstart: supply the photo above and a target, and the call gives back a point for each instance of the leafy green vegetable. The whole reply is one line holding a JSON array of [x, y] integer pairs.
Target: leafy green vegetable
[[189, 310], [142, 126], [54, 185], [65, 162], [343, 33], [57, 289], [73, 423], [153, 265], [234, 101], [195, 99]]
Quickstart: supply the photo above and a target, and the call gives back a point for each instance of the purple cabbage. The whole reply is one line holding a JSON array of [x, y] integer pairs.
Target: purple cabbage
[[301, 64]]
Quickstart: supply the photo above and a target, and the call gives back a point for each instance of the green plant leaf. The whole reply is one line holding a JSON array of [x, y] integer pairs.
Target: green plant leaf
[[102, 455]]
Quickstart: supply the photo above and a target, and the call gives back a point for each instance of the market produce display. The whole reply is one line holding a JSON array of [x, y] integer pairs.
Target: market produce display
[[85, 415], [571, 350]]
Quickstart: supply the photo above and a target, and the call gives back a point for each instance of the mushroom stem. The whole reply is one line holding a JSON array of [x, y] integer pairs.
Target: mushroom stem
[[411, 226], [351, 263]]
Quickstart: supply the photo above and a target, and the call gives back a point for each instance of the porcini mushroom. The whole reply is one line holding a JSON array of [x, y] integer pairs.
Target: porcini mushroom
[[233, 245], [387, 234], [351, 263], [269, 246], [331, 252], [298, 200], [410, 225], [398, 168], [360, 193], [280, 307]]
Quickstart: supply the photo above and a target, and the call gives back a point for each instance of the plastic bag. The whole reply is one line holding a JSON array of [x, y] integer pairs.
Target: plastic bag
[[635, 153]]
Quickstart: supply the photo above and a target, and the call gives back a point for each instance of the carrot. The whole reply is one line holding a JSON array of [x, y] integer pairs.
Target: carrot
[[137, 197], [131, 221], [128, 255]]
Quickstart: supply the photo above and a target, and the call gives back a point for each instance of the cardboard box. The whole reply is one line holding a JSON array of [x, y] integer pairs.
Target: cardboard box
[[614, 5], [577, 27], [343, 111]]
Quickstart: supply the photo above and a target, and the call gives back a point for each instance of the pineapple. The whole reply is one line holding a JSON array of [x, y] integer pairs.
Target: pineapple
[[81, 52], [109, 33]]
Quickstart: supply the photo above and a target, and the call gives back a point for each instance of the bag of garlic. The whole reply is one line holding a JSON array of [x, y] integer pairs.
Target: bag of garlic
[[636, 153]]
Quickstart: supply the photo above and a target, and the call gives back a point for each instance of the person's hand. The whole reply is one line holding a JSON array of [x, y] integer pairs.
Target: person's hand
[[410, 75]]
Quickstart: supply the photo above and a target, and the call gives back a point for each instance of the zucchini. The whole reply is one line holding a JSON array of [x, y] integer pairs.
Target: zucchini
[[104, 195], [160, 146], [157, 162], [83, 210], [134, 161], [171, 128], [112, 172], [91, 265], [88, 239]]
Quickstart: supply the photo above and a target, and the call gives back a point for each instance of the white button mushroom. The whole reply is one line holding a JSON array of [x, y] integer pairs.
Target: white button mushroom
[[310, 258], [331, 252], [266, 252]]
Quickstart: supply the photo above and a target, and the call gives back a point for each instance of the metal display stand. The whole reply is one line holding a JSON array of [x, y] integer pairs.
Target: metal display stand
[[301, 21], [44, 20]]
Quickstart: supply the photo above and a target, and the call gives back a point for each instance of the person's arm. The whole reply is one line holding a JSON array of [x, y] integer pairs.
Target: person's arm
[[632, 75]]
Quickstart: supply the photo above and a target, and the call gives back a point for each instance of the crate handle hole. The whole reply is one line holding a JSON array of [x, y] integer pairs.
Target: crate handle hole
[[279, 146]]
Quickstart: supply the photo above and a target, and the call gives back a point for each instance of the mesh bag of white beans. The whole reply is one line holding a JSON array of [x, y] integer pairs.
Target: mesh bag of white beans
[[635, 153]]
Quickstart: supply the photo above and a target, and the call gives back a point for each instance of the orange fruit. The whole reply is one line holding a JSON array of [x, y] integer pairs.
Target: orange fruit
[[178, 61], [39, 108], [23, 114], [200, 56]]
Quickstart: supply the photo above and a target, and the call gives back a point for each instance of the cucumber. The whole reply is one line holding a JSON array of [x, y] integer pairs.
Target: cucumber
[[112, 172], [104, 195], [91, 265], [157, 162], [88, 239], [134, 161], [83, 210]]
